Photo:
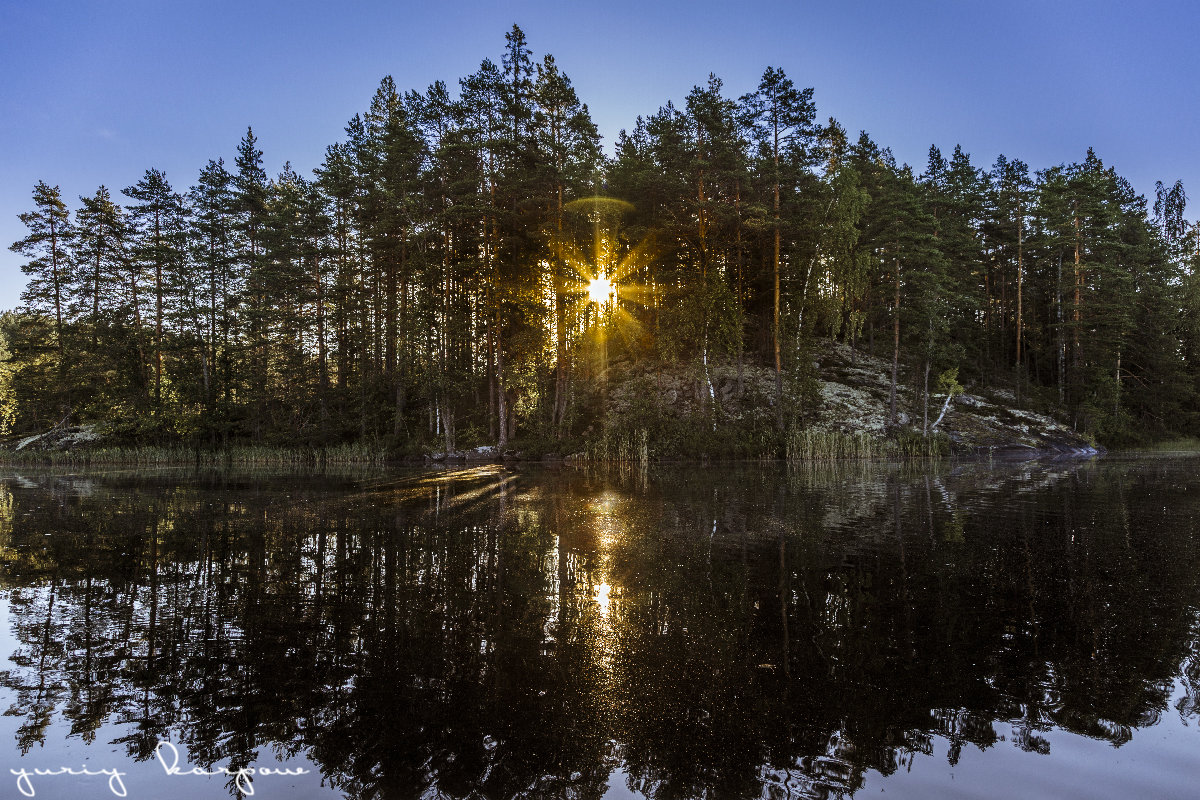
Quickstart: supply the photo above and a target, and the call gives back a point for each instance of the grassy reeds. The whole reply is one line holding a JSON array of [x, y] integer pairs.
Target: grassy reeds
[[824, 445], [628, 446], [911, 444], [811, 445]]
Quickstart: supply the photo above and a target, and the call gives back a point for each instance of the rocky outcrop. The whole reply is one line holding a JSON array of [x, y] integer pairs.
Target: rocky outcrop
[[854, 392], [978, 425], [849, 395], [66, 438]]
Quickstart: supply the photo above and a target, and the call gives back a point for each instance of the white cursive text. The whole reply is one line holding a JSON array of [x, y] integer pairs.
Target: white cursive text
[[168, 755], [25, 785]]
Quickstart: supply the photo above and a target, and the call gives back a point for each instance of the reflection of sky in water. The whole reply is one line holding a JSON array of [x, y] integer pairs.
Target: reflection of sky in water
[[533, 612], [142, 779], [1150, 765]]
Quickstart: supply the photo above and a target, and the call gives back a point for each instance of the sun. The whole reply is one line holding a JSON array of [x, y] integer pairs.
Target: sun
[[600, 289]]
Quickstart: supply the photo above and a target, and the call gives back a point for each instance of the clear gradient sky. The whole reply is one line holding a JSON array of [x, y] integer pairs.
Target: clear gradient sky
[[97, 92]]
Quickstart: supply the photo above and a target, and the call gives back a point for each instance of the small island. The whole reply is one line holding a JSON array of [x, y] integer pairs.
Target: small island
[[467, 270]]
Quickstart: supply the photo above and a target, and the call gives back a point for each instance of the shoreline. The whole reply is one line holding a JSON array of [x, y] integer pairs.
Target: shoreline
[[150, 456]]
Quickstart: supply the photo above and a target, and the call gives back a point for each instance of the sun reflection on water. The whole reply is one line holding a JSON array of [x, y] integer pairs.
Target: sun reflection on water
[[602, 599]]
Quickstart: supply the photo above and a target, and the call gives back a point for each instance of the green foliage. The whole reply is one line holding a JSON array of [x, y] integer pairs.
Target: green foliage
[[947, 383], [699, 321]]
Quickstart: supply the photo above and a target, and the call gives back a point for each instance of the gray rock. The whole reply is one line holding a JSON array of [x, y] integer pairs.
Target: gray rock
[[61, 438]]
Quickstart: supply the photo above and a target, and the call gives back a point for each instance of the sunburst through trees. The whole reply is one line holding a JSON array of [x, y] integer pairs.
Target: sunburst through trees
[[607, 277]]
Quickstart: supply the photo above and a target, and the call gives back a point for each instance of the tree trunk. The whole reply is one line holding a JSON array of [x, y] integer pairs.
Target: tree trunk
[[158, 311], [96, 296], [925, 402], [1117, 393], [322, 349], [56, 273], [741, 343], [447, 419], [501, 398], [1079, 284], [775, 329], [137, 326], [945, 408], [560, 331], [1020, 279], [895, 348], [491, 379], [1062, 345], [401, 372]]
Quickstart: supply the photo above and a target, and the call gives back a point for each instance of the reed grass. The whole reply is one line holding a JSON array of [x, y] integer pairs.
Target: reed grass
[[824, 445], [632, 446], [912, 445], [811, 445]]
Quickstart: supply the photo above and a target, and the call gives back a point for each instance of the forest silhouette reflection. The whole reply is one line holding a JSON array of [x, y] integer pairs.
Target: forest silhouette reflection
[[735, 632]]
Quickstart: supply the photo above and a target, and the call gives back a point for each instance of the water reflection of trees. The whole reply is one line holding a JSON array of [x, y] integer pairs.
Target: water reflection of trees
[[511, 634]]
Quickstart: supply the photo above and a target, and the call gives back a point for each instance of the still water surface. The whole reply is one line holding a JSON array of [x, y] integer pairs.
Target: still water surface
[[969, 631]]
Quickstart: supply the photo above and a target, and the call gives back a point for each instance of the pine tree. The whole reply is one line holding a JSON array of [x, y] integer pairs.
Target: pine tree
[[519, 242], [336, 182], [1010, 197], [717, 169], [972, 281], [212, 202], [100, 253], [250, 215], [397, 156], [99, 250], [446, 297], [48, 268], [782, 120], [156, 220], [834, 255]]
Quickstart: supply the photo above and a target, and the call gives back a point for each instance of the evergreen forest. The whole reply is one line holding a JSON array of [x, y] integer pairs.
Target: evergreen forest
[[468, 267]]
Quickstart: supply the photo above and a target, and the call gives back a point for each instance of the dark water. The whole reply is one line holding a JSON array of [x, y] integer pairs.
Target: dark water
[[972, 631]]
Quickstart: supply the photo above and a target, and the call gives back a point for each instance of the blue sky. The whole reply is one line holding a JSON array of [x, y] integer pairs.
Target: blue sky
[[97, 92]]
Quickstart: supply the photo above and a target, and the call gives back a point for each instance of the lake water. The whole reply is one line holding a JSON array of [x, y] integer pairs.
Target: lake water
[[970, 630]]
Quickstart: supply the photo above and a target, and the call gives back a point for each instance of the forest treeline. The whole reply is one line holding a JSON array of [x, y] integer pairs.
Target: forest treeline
[[428, 285]]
